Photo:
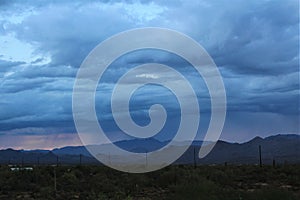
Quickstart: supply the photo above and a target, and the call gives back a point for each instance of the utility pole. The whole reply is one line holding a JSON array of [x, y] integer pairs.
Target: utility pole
[[260, 162], [146, 158], [54, 172], [56, 161], [195, 164], [109, 159]]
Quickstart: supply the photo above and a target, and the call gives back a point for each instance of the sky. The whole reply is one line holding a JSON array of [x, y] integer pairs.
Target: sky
[[255, 45]]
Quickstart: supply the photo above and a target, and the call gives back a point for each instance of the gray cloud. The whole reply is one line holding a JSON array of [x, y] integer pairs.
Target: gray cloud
[[7, 65], [254, 43]]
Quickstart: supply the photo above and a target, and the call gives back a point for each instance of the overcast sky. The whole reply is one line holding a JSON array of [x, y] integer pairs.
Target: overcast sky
[[255, 45]]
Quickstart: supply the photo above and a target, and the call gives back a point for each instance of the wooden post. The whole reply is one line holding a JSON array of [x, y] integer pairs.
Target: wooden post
[[260, 161], [146, 159], [80, 159], [54, 173], [109, 158], [195, 163]]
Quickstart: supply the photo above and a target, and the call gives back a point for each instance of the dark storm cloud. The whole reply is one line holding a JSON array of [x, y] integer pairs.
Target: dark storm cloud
[[254, 43], [276, 94], [70, 34], [264, 40], [48, 71], [19, 85], [36, 108], [7, 65]]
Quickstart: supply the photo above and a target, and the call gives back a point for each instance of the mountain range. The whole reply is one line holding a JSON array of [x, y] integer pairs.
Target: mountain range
[[283, 148]]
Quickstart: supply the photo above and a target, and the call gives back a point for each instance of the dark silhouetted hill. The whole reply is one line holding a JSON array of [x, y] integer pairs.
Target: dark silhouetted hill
[[283, 148]]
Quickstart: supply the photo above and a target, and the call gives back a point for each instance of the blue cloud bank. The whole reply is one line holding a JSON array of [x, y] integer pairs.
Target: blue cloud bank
[[255, 45]]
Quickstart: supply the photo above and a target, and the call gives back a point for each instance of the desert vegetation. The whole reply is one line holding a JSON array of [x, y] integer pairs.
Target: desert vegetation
[[174, 182]]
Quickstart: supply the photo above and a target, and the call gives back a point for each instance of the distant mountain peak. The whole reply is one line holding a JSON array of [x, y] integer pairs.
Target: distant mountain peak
[[282, 147], [256, 139], [286, 136]]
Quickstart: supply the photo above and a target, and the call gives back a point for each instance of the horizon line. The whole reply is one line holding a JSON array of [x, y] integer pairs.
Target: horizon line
[[231, 142]]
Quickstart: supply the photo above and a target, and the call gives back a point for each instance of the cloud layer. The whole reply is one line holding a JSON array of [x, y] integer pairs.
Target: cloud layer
[[255, 44]]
